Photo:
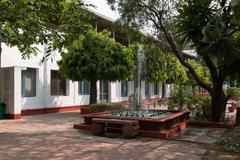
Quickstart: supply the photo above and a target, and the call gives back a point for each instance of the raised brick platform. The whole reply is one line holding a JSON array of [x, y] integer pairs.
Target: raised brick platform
[[151, 134]]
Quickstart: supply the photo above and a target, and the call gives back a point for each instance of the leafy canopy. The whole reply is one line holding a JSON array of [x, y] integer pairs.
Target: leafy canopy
[[96, 56], [163, 67], [213, 29], [209, 26], [24, 23], [202, 72]]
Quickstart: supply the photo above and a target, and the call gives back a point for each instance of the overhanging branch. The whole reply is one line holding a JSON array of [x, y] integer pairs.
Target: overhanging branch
[[184, 63], [211, 66], [153, 12]]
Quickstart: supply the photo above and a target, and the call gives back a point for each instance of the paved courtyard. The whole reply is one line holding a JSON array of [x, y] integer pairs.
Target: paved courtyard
[[51, 136]]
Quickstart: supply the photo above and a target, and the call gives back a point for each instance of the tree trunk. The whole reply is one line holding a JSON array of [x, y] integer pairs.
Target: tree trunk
[[0, 54], [0, 68], [219, 102], [193, 90], [163, 90], [93, 92]]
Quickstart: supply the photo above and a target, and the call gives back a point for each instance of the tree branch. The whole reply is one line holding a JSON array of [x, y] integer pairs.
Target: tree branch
[[160, 26], [212, 68], [184, 63]]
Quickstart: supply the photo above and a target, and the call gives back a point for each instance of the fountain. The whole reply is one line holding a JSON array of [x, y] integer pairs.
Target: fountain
[[152, 123]]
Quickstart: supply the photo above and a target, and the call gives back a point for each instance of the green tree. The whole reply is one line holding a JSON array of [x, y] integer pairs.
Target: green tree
[[210, 26], [163, 66], [201, 70], [25, 23], [94, 57]]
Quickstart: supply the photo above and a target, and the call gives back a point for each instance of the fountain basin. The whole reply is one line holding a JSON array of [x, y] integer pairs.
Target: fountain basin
[[163, 125]]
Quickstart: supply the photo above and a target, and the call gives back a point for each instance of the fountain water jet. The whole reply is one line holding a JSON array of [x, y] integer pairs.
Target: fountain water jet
[[152, 123]]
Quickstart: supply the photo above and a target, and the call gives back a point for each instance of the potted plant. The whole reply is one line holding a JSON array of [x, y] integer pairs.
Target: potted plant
[[233, 106], [206, 106], [231, 109], [234, 93]]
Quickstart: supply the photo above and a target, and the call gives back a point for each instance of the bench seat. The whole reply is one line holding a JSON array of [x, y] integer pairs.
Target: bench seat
[[129, 127]]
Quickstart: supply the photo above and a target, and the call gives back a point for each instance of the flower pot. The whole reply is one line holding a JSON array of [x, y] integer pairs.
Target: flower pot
[[231, 109], [234, 104]]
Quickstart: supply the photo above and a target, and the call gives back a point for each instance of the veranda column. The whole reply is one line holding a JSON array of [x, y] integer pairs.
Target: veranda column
[[15, 113]]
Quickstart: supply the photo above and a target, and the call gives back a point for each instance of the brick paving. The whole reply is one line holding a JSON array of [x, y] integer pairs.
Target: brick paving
[[51, 137]]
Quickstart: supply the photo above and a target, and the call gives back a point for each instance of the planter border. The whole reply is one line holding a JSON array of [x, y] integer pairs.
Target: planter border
[[199, 123], [150, 134]]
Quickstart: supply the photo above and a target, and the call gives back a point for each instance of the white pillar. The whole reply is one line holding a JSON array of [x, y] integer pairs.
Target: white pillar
[[17, 91], [45, 91]]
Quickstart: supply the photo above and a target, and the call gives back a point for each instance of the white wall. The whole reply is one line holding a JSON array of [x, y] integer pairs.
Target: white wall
[[11, 57]]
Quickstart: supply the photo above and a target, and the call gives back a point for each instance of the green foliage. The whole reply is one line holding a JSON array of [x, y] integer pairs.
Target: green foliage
[[233, 92], [25, 23], [235, 4], [229, 145], [205, 105], [163, 67], [212, 31], [103, 107], [202, 72], [211, 28], [96, 56], [180, 97]]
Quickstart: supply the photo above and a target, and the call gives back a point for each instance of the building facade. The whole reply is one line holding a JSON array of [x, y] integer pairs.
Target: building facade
[[32, 86]]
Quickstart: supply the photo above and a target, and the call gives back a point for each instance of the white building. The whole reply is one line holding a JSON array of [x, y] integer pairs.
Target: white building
[[33, 87]]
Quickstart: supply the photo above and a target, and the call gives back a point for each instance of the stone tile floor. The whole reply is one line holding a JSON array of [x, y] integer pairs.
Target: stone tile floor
[[51, 136]]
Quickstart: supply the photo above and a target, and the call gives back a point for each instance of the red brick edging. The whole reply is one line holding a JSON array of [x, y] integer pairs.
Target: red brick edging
[[13, 116], [30, 112], [151, 134], [199, 123]]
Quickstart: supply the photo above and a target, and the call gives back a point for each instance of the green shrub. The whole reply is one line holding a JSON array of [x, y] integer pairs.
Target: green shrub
[[106, 106], [229, 145], [205, 103], [180, 97], [234, 93]]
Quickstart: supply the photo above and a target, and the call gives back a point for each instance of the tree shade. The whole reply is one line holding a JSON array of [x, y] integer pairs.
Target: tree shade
[[96, 56], [209, 26], [25, 23]]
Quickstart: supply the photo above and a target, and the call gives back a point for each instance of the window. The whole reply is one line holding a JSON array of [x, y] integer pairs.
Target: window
[[58, 84], [83, 88], [103, 91], [124, 88], [155, 89], [29, 82]]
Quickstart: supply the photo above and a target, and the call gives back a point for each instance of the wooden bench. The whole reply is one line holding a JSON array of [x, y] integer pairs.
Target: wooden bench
[[129, 127]]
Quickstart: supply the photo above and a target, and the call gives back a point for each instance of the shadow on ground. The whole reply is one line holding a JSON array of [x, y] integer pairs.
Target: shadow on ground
[[51, 136]]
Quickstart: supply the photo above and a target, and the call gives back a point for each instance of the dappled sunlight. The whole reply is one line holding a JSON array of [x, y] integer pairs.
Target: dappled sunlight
[[51, 136]]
